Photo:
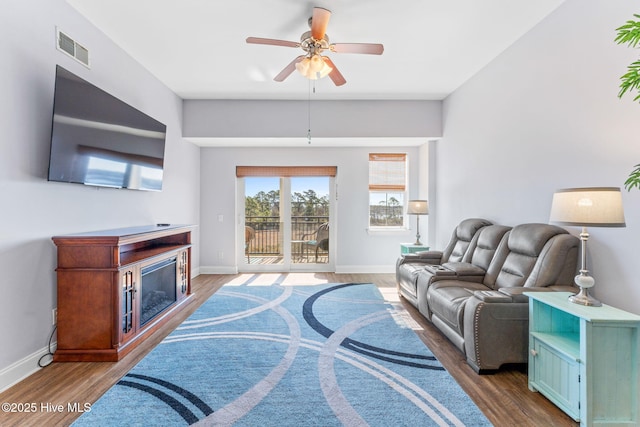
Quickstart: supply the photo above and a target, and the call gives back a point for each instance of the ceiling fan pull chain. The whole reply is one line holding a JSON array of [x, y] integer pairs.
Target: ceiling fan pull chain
[[309, 111]]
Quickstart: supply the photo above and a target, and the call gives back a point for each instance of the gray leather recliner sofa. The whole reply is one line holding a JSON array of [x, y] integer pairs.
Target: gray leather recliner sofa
[[459, 249], [478, 301]]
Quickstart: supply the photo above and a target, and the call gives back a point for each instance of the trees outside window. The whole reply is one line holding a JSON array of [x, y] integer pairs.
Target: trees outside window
[[387, 189]]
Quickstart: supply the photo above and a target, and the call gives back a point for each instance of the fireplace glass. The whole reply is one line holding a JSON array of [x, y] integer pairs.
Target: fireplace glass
[[158, 289]]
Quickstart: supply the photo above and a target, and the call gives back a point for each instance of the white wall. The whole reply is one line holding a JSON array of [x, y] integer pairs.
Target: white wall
[[544, 115], [357, 249], [33, 210], [329, 119]]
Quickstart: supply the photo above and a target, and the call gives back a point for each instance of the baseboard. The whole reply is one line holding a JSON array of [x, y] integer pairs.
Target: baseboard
[[229, 269], [13, 374], [345, 269], [195, 272]]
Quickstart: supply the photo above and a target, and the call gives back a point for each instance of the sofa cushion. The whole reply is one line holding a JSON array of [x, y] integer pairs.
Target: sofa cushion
[[463, 239], [529, 239], [515, 270], [489, 239], [528, 250], [469, 227], [556, 263]]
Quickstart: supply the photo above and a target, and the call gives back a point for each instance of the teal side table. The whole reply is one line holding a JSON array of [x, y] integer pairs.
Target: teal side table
[[410, 248], [585, 359]]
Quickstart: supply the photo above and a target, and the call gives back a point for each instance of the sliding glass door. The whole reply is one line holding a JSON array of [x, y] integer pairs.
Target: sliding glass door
[[310, 220], [286, 223], [263, 225]]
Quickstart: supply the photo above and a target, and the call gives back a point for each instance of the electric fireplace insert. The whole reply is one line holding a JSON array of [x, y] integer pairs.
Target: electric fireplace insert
[[158, 288]]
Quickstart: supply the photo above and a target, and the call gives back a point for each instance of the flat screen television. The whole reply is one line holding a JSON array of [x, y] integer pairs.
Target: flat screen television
[[97, 139]]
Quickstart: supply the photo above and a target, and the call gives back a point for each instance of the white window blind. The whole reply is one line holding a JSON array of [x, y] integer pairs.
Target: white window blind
[[387, 171]]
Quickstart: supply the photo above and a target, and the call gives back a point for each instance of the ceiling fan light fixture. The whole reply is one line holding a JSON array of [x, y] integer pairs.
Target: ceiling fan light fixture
[[303, 66], [313, 67], [326, 69]]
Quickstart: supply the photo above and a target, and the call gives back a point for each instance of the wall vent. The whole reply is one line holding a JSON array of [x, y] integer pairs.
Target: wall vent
[[66, 44]]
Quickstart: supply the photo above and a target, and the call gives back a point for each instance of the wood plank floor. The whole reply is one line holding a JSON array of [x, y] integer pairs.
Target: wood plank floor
[[503, 397]]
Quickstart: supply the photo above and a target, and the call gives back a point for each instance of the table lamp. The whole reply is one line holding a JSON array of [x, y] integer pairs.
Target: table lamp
[[418, 207], [587, 207]]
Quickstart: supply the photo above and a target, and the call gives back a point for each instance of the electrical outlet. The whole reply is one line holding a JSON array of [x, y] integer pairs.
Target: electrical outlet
[[54, 316], [220, 255]]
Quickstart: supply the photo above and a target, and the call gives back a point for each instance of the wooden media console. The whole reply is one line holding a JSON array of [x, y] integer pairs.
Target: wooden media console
[[116, 287]]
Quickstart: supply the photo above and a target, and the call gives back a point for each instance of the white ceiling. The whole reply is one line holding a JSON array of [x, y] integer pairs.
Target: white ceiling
[[197, 47]]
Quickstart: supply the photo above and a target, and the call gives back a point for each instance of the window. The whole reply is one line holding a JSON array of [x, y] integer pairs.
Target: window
[[387, 189]]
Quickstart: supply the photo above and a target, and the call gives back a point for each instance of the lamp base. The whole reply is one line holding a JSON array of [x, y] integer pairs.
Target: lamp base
[[583, 298], [418, 242]]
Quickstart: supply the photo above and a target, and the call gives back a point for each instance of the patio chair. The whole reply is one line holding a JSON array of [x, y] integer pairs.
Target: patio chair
[[249, 234], [319, 239]]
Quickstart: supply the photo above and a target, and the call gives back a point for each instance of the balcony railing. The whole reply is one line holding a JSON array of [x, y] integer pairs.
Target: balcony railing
[[268, 237]]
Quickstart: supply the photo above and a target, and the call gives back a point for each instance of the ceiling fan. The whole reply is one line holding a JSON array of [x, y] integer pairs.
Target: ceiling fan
[[313, 64]]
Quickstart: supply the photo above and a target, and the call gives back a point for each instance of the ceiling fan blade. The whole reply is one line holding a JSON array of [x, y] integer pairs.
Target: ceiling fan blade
[[288, 69], [336, 77], [272, 42], [319, 22], [368, 48]]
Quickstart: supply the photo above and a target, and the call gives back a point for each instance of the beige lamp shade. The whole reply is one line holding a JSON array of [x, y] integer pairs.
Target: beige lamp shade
[[418, 207], [588, 207]]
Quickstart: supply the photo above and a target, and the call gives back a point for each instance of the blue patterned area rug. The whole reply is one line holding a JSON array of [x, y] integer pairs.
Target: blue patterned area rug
[[324, 355]]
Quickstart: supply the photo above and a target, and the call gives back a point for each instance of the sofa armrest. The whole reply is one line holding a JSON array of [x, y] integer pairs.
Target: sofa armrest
[[495, 333], [465, 269], [517, 293], [564, 288], [425, 257], [439, 270], [492, 296]]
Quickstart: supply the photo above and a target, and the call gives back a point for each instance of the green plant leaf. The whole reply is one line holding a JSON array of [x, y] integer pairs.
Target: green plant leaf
[[629, 33], [631, 79], [633, 181]]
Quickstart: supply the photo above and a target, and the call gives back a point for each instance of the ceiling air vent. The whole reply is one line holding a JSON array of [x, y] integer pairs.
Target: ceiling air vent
[[72, 48]]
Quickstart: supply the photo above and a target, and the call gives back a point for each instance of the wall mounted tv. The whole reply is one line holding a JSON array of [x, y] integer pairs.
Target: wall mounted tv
[[96, 139]]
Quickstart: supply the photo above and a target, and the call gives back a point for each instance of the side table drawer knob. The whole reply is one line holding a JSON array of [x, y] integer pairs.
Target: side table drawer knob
[[534, 353]]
